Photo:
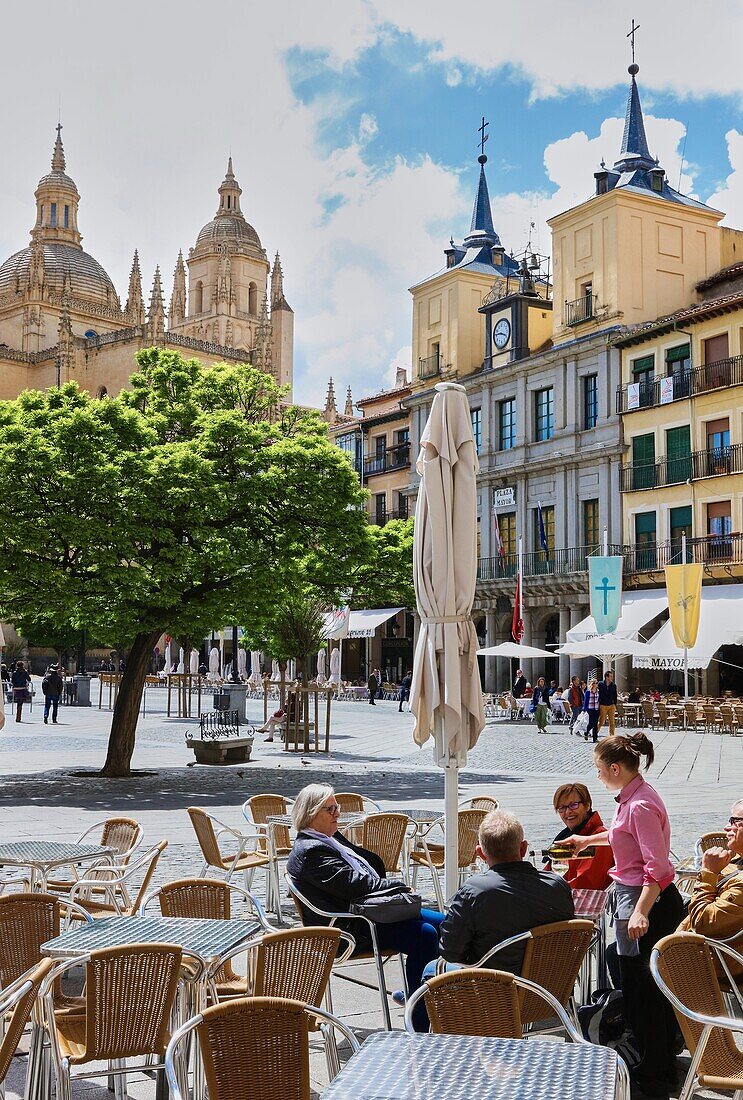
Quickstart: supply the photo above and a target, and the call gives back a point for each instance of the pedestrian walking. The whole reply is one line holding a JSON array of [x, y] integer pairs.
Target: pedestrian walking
[[591, 706], [373, 685], [607, 702], [20, 680], [540, 704], [575, 700], [52, 686], [407, 680], [519, 684]]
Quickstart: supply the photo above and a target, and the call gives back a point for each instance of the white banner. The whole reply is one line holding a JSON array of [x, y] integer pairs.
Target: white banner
[[669, 664], [633, 395], [666, 390]]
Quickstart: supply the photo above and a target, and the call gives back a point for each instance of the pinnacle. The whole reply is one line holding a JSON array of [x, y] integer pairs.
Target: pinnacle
[[58, 157]]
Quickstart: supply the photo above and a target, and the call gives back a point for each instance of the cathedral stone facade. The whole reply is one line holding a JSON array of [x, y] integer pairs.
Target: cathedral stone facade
[[61, 318]]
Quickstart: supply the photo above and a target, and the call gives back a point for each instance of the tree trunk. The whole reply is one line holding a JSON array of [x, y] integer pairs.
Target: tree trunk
[[126, 710]]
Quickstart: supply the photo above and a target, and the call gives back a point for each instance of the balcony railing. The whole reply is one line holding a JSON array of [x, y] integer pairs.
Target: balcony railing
[[686, 383], [430, 367], [381, 518], [394, 458], [709, 550], [580, 310], [573, 559], [714, 462]]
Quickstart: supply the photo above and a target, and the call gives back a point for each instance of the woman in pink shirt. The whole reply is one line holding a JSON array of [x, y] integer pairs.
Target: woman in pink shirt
[[648, 905]]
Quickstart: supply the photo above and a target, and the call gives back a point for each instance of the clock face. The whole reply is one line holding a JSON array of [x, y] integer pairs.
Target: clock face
[[501, 333]]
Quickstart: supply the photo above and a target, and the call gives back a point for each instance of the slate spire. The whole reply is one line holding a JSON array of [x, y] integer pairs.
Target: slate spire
[[635, 152], [482, 230]]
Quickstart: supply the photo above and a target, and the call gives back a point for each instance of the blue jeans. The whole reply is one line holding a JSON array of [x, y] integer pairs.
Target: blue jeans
[[575, 712], [51, 701], [418, 940]]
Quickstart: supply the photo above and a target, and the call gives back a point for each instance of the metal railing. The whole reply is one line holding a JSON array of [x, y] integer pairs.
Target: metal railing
[[393, 458], [686, 383], [714, 462], [380, 518], [430, 367], [708, 550], [580, 310], [540, 563]]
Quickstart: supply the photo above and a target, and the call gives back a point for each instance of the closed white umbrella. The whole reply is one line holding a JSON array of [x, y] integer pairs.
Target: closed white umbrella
[[214, 659], [335, 667], [321, 666], [181, 661], [168, 658], [275, 670], [446, 693], [193, 662], [242, 663], [255, 668], [511, 649]]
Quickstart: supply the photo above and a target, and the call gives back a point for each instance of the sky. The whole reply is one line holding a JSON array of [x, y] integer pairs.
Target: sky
[[353, 129]]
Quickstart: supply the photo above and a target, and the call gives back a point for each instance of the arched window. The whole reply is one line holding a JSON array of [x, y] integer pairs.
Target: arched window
[[199, 304], [102, 391], [253, 299]]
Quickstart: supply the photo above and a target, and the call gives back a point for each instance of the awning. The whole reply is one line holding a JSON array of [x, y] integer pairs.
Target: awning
[[364, 624], [720, 623], [638, 609]]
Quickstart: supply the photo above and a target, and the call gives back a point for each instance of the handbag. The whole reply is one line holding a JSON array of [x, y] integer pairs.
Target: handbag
[[388, 906], [581, 722]]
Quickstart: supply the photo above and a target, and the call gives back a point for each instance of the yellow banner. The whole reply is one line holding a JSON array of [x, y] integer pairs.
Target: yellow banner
[[684, 586]]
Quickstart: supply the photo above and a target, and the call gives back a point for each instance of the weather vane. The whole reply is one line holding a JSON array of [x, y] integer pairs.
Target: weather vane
[[633, 31], [483, 136]]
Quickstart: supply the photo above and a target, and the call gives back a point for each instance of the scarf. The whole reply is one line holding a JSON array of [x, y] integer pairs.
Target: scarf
[[353, 859]]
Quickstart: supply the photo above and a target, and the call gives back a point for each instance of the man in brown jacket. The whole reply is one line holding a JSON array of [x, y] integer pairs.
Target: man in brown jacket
[[716, 906]]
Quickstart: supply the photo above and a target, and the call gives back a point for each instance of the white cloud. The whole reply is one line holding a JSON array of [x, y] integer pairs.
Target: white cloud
[[729, 197], [453, 76], [368, 128]]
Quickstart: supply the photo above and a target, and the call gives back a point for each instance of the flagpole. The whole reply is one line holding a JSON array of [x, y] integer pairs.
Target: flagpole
[[606, 541], [686, 648], [521, 583]]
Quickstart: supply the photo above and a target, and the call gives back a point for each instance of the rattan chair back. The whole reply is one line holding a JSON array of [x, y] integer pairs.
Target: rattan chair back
[[468, 835], [256, 1047], [648, 710], [484, 802], [726, 718], [122, 835], [692, 714], [296, 964], [19, 1007], [263, 806], [384, 834], [712, 840], [198, 899], [129, 995], [206, 837], [149, 860], [553, 957], [474, 1002], [686, 965], [26, 921], [350, 802]]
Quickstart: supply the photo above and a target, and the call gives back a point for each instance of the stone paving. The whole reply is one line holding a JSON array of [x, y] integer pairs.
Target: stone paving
[[699, 775]]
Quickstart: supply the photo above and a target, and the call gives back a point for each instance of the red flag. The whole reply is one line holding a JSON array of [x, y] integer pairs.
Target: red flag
[[499, 547], [517, 627]]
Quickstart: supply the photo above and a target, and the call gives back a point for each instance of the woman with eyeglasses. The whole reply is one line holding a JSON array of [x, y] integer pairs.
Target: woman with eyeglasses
[[572, 802]]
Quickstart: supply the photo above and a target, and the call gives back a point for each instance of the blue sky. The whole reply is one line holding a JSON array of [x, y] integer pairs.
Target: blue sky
[[353, 130]]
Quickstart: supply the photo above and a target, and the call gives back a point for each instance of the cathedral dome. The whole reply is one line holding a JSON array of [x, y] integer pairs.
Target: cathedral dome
[[228, 227], [87, 279]]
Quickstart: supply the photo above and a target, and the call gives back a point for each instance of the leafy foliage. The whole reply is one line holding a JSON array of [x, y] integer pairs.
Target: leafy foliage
[[384, 578]]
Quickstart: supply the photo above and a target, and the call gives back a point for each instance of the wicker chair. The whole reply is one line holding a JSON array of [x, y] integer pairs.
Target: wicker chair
[[351, 802], [306, 910], [727, 720], [275, 840], [683, 966], [479, 802], [738, 716], [244, 859], [648, 712], [208, 899], [712, 719], [17, 1003], [485, 1002], [129, 996], [432, 855], [252, 1047], [691, 716], [106, 894], [715, 839], [123, 835], [385, 835]]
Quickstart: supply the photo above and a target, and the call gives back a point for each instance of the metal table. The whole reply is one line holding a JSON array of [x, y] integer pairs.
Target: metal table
[[42, 856], [398, 1066], [421, 817], [286, 819]]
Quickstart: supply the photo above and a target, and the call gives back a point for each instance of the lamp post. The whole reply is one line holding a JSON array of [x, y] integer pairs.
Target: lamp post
[[82, 652], [235, 677]]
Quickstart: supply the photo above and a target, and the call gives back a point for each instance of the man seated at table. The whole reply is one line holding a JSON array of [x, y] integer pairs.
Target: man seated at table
[[716, 906], [512, 896], [635, 696]]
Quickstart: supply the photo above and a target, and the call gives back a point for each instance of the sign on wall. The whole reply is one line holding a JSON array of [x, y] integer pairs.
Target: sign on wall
[[666, 390], [504, 498], [633, 395]]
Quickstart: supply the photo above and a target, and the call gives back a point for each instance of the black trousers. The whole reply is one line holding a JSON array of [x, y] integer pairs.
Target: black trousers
[[646, 1010]]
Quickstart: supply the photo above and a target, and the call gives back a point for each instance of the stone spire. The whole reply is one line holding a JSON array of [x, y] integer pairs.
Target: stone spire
[[177, 311], [482, 230], [262, 350], [58, 159], [277, 285], [57, 201], [635, 152], [135, 299], [331, 409], [156, 312], [348, 410], [229, 193], [64, 346]]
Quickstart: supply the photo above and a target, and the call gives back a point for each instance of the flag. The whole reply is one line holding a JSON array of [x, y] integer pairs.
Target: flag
[[542, 532], [336, 622], [500, 549], [684, 587], [605, 588], [517, 627]]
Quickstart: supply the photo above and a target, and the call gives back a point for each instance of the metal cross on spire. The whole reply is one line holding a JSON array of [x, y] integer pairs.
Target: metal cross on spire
[[483, 136], [633, 31]]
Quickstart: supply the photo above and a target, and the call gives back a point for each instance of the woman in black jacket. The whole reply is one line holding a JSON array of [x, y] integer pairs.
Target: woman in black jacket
[[332, 873], [20, 679]]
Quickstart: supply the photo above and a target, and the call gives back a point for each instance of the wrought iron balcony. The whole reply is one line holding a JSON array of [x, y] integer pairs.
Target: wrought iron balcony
[[430, 367], [381, 518], [394, 458], [572, 559], [582, 309], [687, 383], [709, 551], [714, 462]]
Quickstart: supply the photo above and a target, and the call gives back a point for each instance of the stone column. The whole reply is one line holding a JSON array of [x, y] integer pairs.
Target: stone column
[[563, 675], [490, 662], [527, 639], [576, 664]]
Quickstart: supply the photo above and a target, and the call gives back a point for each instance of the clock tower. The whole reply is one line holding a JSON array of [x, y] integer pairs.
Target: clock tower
[[518, 320]]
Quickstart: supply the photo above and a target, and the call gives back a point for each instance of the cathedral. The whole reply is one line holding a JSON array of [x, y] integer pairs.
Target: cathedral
[[61, 318]]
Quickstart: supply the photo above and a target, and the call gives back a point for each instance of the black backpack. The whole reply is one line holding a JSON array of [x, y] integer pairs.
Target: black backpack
[[602, 1022]]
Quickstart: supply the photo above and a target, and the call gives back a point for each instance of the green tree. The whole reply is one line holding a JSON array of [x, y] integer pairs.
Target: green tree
[[193, 498], [384, 577]]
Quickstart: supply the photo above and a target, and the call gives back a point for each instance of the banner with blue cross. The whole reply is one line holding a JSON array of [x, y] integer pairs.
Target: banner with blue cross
[[605, 586]]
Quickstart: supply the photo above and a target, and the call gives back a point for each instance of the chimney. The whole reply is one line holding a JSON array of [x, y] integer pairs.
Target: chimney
[[401, 378]]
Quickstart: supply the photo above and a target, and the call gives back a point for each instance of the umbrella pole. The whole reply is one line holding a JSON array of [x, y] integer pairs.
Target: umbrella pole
[[451, 837], [686, 673]]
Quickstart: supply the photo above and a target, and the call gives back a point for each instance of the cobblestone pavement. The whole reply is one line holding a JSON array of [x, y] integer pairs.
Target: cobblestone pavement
[[699, 775]]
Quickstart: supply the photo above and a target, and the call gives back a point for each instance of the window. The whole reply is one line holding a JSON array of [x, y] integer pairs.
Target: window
[[380, 445], [402, 436], [646, 556], [253, 299], [678, 367], [507, 424], [199, 304], [402, 506], [719, 528], [67, 217], [643, 373], [678, 454], [350, 444], [680, 524], [53, 220], [544, 414], [507, 528], [548, 519], [643, 461], [591, 533], [380, 508], [590, 401], [476, 418]]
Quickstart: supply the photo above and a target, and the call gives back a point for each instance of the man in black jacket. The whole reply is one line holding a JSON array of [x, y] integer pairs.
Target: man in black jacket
[[607, 702], [52, 686], [373, 685], [509, 898], [519, 685]]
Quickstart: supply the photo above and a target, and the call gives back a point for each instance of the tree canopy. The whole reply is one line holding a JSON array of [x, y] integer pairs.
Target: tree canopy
[[384, 576], [194, 497]]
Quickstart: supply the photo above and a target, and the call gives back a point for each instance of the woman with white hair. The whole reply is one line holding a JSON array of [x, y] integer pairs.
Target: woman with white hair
[[332, 873]]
